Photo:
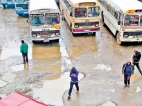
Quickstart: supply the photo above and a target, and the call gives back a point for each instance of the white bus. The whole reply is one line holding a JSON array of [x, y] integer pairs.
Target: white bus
[[123, 18], [44, 19]]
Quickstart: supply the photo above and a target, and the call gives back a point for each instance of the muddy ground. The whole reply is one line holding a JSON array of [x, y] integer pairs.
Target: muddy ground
[[99, 60]]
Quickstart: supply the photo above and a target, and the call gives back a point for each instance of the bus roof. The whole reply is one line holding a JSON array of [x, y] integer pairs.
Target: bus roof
[[80, 1], [42, 4], [125, 5]]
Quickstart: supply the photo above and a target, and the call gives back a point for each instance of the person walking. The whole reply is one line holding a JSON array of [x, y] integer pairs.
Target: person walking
[[24, 51], [136, 60], [127, 70], [74, 81]]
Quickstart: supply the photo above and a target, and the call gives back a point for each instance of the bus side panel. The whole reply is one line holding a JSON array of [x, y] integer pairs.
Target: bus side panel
[[65, 13], [109, 25], [110, 22]]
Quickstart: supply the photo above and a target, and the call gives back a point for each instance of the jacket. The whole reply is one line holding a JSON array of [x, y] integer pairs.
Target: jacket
[[124, 68], [24, 48], [74, 75], [136, 57]]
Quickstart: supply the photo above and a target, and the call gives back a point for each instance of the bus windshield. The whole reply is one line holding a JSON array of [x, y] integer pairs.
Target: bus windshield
[[24, 6], [52, 18], [80, 12], [131, 20], [141, 21], [20, 1], [37, 19], [93, 11]]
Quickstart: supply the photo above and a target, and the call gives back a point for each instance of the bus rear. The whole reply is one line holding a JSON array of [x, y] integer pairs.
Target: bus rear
[[21, 7], [86, 17], [7, 4]]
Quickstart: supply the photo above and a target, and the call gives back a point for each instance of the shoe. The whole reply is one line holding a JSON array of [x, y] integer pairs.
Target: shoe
[[69, 97], [24, 62], [77, 92], [125, 86], [128, 86]]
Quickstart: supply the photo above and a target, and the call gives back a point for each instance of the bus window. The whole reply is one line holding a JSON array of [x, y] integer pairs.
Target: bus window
[[115, 15], [93, 11], [131, 20], [52, 18], [80, 12], [36, 20], [141, 21], [19, 1]]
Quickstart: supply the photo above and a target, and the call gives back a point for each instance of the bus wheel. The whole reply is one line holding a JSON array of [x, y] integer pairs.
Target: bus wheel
[[118, 39]]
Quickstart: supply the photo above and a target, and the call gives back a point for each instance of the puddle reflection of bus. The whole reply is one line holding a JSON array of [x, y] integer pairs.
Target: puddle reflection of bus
[[21, 7], [7, 4], [82, 16], [44, 19]]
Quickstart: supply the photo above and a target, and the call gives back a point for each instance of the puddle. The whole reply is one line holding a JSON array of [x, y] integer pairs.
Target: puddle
[[19, 67], [137, 89], [135, 77], [44, 52], [103, 67], [3, 83], [55, 68], [94, 48], [15, 51], [53, 90], [74, 52], [66, 62], [112, 90], [109, 103]]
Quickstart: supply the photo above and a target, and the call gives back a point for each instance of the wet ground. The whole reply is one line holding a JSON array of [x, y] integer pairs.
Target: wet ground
[[99, 60]]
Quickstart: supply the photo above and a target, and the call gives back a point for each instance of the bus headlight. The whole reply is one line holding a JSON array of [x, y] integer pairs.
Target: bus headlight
[[76, 26], [125, 36], [57, 33], [34, 35], [97, 25]]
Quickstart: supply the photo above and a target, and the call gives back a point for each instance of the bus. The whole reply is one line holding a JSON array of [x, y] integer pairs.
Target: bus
[[123, 18], [21, 7], [82, 16], [7, 4], [44, 19]]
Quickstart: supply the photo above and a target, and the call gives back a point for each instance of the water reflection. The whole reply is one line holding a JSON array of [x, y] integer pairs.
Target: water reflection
[[52, 90], [20, 67]]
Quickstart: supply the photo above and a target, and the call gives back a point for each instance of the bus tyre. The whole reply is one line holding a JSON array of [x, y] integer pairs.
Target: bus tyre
[[118, 38]]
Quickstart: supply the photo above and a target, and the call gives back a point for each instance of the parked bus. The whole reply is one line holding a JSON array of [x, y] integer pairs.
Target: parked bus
[[44, 19], [82, 16], [140, 0], [21, 7], [123, 18], [7, 4]]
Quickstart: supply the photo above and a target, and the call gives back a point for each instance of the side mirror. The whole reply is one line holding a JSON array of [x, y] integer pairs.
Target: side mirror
[[119, 22], [70, 13], [27, 21]]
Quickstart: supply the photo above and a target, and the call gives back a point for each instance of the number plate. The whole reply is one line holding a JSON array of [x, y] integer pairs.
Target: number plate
[[86, 30]]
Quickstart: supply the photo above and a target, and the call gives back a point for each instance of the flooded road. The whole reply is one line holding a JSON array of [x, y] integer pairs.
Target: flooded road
[[99, 60]]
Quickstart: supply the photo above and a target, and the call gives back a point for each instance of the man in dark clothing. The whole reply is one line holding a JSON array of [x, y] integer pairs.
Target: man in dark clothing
[[74, 80], [24, 51], [127, 70], [136, 59]]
